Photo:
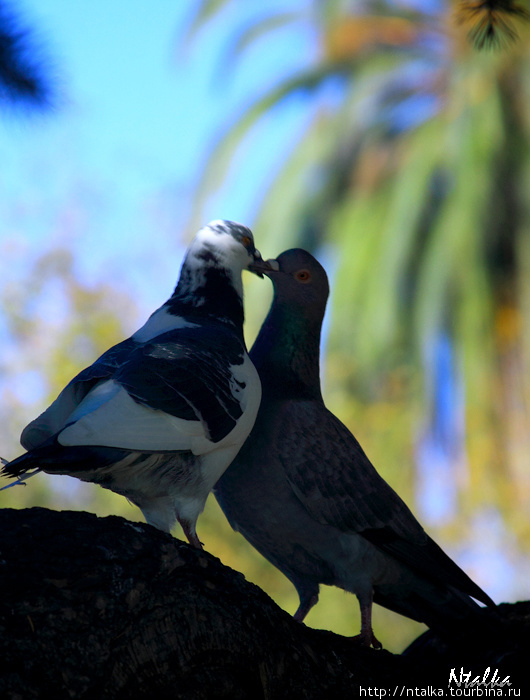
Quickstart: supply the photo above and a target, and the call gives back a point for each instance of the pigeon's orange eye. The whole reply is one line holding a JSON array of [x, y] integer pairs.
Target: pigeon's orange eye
[[245, 241], [303, 276]]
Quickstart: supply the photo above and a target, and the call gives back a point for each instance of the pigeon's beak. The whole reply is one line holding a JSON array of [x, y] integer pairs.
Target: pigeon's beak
[[264, 267], [274, 265], [261, 267]]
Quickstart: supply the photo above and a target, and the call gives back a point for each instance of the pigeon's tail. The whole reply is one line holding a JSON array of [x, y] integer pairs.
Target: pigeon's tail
[[485, 636], [11, 469], [41, 459], [446, 610], [73, 461]]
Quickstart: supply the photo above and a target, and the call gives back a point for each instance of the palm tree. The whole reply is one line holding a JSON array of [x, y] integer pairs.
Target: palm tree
[[416, 174], [24, 74]]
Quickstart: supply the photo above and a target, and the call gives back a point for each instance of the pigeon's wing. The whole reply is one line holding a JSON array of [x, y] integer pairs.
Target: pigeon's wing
[[190, 374], [330, 473], [184, 390], [336, 482], [57, 415]]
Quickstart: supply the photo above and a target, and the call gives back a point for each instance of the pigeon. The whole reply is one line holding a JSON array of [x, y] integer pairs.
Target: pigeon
[[158, 417], [305, 495]]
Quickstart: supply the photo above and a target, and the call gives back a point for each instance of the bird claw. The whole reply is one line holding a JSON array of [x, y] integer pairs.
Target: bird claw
[[194, 541], [191, 535], [367, 639]]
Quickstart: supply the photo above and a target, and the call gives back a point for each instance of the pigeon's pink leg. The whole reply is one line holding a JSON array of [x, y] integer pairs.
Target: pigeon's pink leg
[[191, 535], [367, 637]]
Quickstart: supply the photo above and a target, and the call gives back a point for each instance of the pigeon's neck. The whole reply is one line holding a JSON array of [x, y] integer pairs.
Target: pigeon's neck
[[208, 294], [286, 354]]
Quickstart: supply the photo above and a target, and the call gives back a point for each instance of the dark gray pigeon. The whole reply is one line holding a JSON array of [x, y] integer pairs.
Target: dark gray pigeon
[[159, 417], [305, 495]]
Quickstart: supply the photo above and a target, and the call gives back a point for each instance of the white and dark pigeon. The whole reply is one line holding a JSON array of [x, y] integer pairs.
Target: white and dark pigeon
[[305, 495], [159, 417]]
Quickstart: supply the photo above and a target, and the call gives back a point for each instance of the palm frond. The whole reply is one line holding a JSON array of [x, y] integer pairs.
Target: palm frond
[[24, 72], [206, 11], [493, 22], [221, 154], [255, 31]]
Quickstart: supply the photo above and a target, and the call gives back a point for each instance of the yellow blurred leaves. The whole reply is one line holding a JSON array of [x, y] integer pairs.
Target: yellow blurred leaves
[[349, 36]]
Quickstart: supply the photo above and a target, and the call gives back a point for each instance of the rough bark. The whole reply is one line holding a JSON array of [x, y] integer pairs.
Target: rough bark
[[108, 609]]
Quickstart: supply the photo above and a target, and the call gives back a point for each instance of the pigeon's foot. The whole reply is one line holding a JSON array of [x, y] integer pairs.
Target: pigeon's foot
[[189, 530], [367, 638], [195, 541]]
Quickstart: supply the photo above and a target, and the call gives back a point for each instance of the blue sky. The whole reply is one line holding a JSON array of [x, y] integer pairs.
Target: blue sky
[[111, 170]]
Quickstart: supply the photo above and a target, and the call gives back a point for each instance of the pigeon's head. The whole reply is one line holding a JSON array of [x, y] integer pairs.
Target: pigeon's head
[[219, 253], [300, 281], [228, 245]]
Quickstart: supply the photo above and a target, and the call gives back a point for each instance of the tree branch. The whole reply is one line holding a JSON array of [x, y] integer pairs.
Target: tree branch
[[108, 609]]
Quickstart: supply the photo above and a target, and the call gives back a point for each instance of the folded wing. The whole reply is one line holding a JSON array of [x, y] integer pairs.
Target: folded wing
[[338, 485], [177, 391]]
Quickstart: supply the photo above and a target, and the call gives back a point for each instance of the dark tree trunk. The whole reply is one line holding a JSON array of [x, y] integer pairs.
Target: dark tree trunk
[[101, 608]]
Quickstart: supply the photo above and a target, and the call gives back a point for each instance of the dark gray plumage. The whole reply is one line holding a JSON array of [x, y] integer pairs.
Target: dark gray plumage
[[158, 417], [305, 495]]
